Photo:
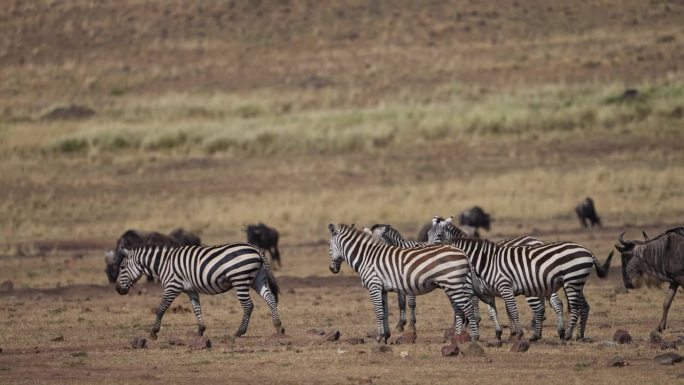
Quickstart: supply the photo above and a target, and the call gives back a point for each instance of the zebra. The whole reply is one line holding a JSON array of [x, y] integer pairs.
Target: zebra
[[536, 303], [391, 236], [413, 271], [533, 271], [206, 270]]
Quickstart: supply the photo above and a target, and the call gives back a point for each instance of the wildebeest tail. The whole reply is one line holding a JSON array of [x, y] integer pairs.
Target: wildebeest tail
[[602, 270]]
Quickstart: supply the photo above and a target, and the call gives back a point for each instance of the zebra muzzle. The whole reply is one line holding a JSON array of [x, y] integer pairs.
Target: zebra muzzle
[[121, 290]]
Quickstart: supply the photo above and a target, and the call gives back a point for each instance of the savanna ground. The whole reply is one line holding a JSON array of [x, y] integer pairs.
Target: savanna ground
[[213, 115]]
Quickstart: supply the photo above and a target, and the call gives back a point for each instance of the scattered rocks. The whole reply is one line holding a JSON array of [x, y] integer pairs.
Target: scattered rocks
[[668, 358], [617, 362], [59, 338], [381, 349], [450, 350], [72, 111], [355, 341], [520, 346], [622, 337], [7, 285], [315, 332], [473, 349], [332, 336], [139, 343], [408, 337], [199, 342], [494, 343], [176, 341]]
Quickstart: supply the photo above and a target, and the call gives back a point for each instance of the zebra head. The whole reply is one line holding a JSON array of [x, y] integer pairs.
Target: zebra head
[[336, 255], [387, 234], [129, 272], [438, 233]]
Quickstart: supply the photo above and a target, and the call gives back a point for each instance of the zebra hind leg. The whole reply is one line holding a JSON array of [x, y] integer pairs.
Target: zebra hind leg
[[260, 284], [575, 302], [167, 297], [379, 300], [557, 305], [412, 307], [512, 311], [242, 292], [584, 316], [461, 302], [538, 310], [194, 300], [494, 317], [401, 300]]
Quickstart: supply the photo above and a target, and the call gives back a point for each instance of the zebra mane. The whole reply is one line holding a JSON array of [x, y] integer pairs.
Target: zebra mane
[[364, 235]]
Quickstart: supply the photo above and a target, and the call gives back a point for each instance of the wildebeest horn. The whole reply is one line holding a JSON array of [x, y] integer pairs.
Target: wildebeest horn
[[645, 235], [624, 245]]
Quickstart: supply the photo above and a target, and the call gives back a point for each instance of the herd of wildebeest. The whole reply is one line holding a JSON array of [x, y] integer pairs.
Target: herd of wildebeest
[[444, 256]]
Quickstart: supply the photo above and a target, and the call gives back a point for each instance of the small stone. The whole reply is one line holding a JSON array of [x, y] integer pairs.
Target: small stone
[[494, 343], [138, 343], [7, 285], [315, 332], [473, 349], [617, 362], [199, 342], [355, 341], [460, 338], [520, 346], [668, 358], [450, 350], [58, 338], [408, 337], [622, 337], [381, 349], [332, 336], [404, 354], [176, 341]]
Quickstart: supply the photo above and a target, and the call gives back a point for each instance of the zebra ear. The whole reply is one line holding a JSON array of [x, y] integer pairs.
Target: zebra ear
[[367, 230], [448, 220], [332, 229], [125, 252], [435, 220]]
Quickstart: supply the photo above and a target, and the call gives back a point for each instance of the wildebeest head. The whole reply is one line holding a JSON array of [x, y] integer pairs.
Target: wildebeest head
[[475, 217], [630, 264]]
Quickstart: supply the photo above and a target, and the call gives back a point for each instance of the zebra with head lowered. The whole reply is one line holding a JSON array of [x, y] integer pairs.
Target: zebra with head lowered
[[391, 236], [414, 271], [533, 271], [207, 270], [660, 259]]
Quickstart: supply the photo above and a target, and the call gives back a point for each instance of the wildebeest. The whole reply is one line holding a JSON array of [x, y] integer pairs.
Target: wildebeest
[[134, 238], [660, 259], [586, 212], [265, 238], [475, 217]]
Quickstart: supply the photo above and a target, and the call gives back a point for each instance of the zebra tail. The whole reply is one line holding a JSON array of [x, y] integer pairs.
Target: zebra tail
[[270, 279], [602, 270]]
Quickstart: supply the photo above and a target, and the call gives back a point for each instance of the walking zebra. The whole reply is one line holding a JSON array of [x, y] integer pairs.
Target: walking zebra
[[391, 236], [533, 271], [536, 303], [206, 270], [414, 271]]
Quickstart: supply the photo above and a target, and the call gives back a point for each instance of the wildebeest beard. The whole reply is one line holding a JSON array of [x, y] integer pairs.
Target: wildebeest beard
[[647, 266]]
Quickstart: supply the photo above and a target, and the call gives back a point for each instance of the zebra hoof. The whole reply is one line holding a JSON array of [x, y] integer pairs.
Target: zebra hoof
[[153, 336], [561, 334], [239, 333]]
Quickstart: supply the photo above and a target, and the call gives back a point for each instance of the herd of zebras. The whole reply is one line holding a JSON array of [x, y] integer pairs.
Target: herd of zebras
[[467, 269]]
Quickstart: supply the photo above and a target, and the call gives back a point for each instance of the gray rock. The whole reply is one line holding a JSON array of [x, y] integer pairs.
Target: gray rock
[[622, 337], [332, 336], [138, 343], [199, 342], [177, 341], [617, 362], [668, 358], [408, 337], [315, 332], [59, 338]]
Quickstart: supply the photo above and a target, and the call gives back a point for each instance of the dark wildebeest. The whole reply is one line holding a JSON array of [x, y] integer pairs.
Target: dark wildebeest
[[475, 217], [659, 259], [134, 238], [265, 238], [587, 212]]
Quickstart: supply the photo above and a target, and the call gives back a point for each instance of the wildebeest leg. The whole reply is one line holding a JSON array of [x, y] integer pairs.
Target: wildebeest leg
[[194, 300], [666, 305], [168, 295], [242, 292], [276, 255], [379, 300], [401, 301], [557, 305]]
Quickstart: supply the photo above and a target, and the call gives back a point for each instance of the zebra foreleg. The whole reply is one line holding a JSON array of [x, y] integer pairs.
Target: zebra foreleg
[[538, 310], [575, 304], [379, 300], [168, 295], [194, 300], [493, 316], [557, 305], [584, 316], [412, 308], [401, 300], [511, 310], [242, 292]]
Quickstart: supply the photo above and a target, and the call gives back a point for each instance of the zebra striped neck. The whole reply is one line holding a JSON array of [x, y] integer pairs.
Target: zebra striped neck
[[356, 246], [477, 250], [150, 259]]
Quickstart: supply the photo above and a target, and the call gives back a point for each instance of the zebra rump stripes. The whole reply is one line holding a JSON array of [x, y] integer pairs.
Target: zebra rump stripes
[[207, 270], [414, 271]]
